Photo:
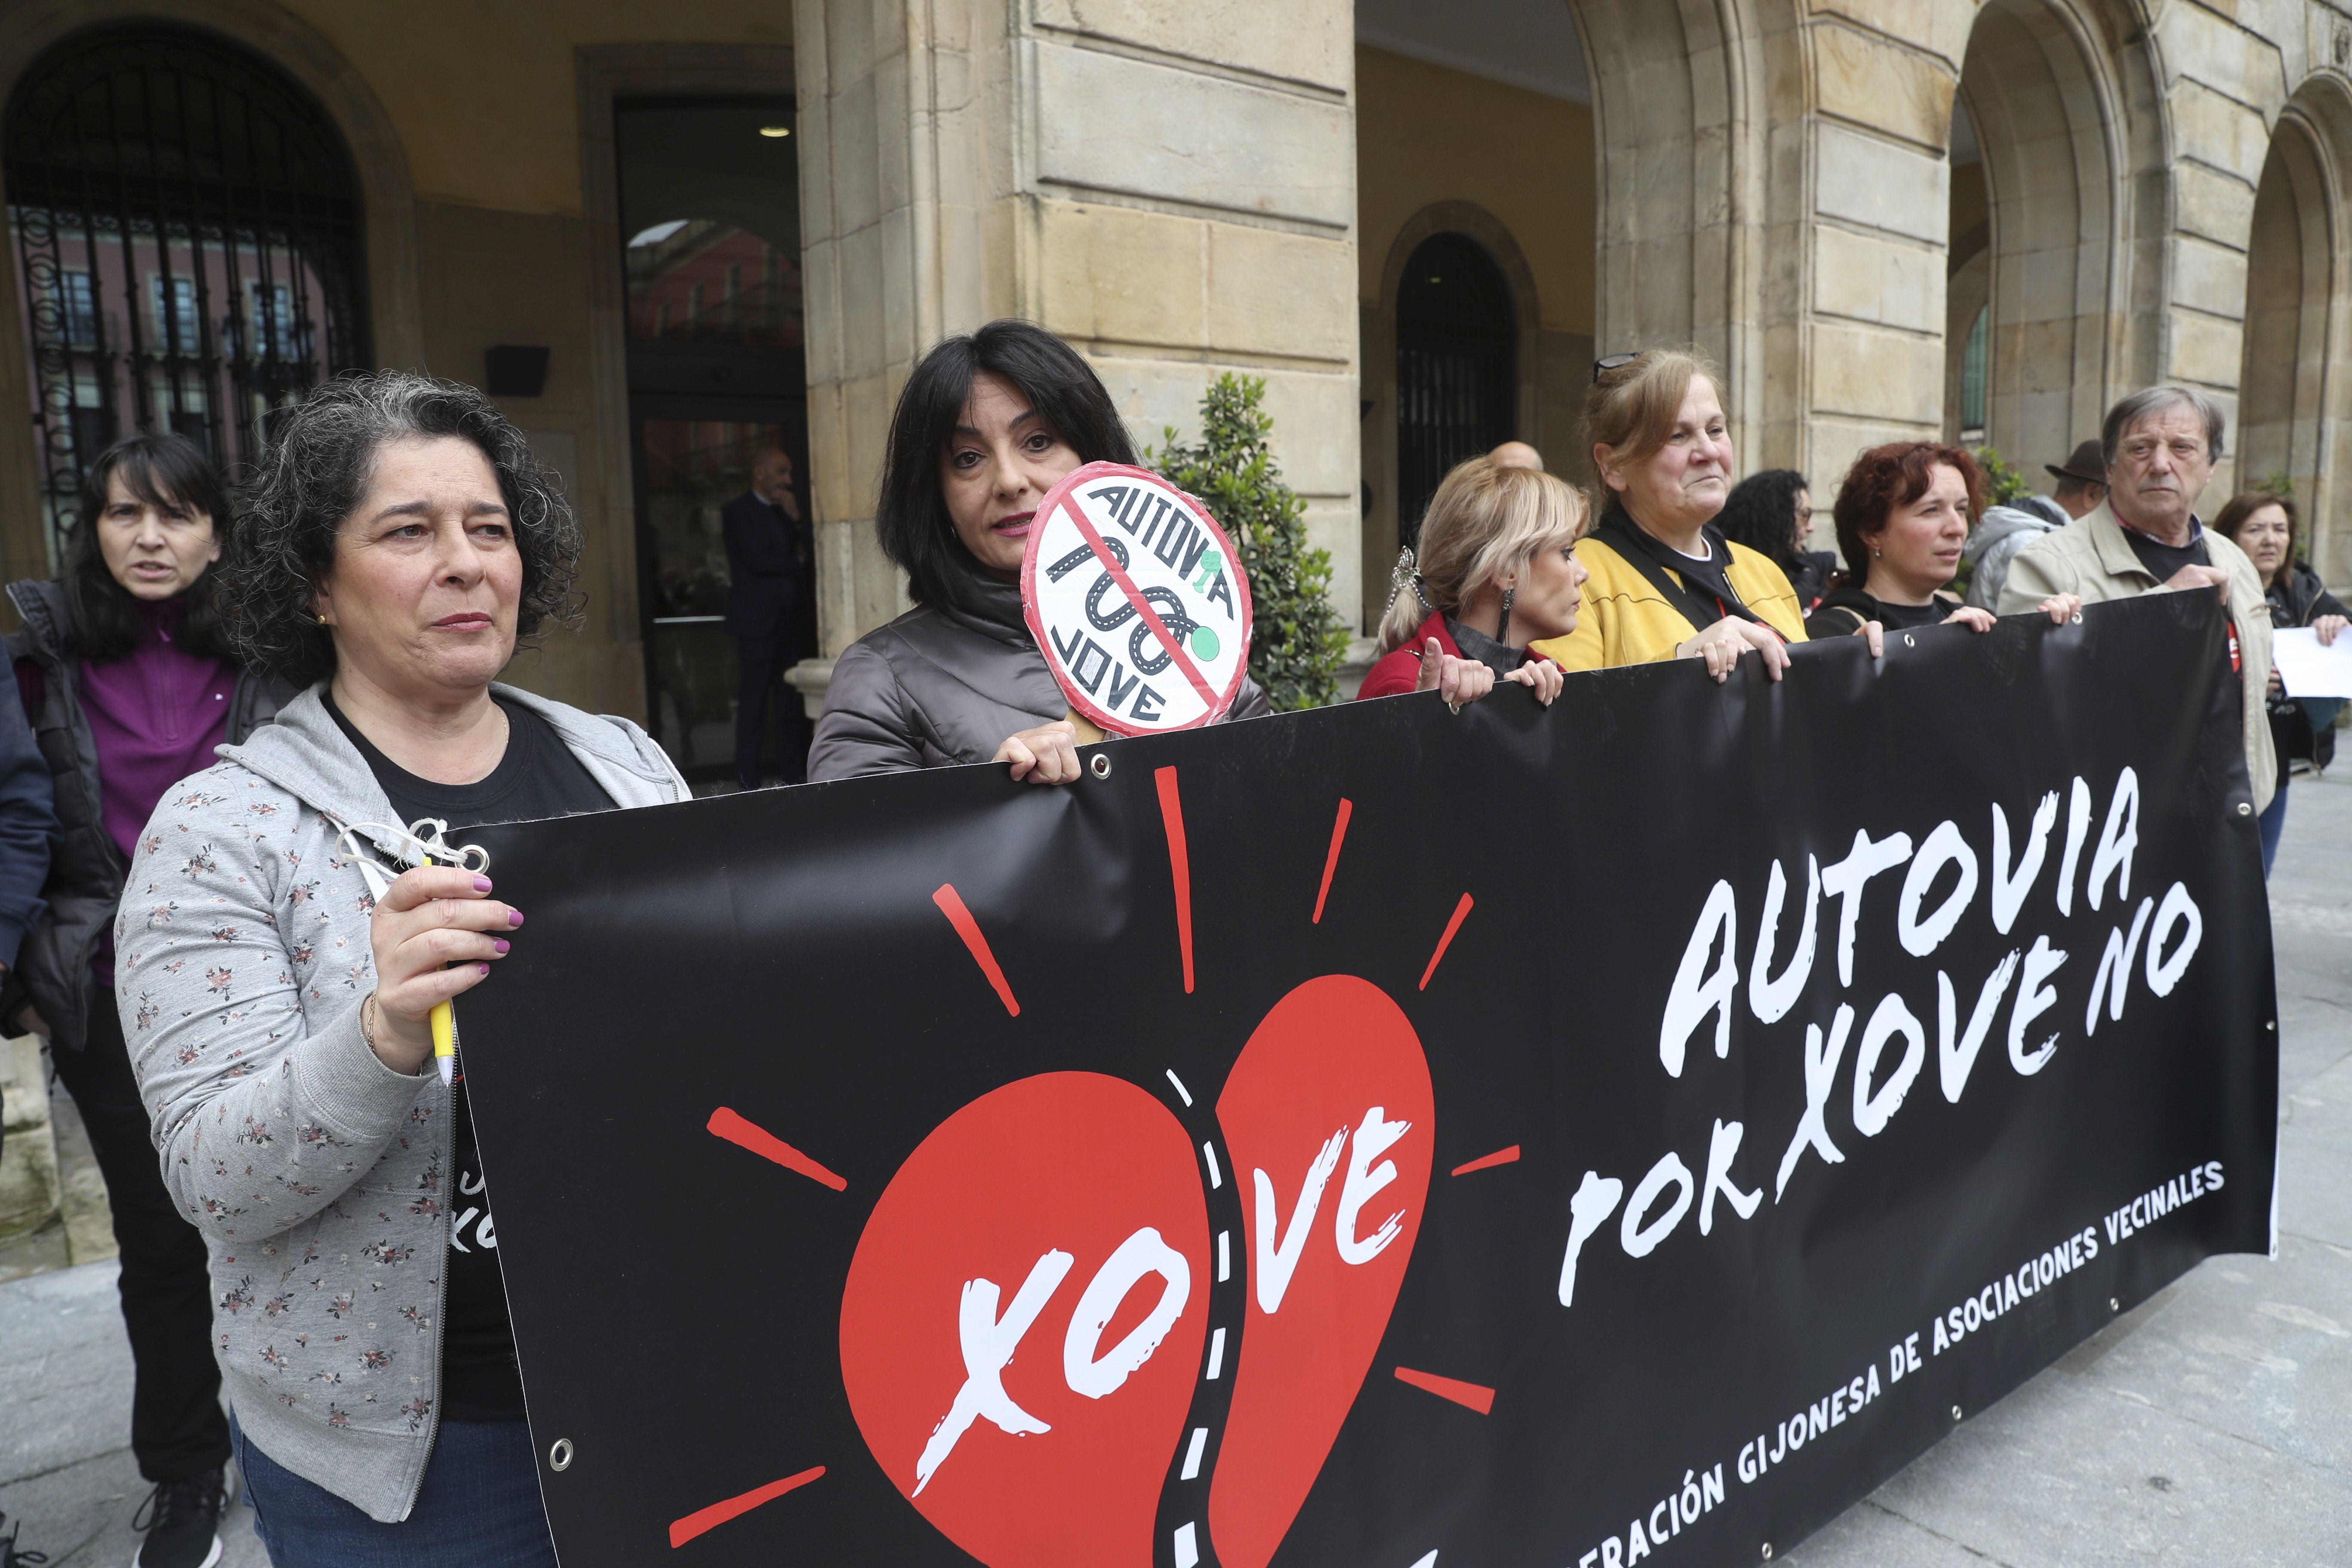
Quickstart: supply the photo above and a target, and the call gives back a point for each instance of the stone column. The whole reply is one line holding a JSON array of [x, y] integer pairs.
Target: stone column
[[1168, 183], [1880, 197]]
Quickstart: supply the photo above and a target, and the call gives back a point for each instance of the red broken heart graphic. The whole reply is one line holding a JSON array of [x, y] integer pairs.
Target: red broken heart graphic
[[1023, 1329], [1066, 1166], [1332, 1055]]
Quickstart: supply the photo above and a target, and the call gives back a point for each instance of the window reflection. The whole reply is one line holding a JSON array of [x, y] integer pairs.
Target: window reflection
[[711, 209]]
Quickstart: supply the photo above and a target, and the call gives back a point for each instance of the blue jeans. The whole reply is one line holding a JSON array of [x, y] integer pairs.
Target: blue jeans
[[2273, 820], [479, 1504]]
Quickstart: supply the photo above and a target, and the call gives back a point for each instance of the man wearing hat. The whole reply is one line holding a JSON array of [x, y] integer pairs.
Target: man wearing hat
[[2006, 529]]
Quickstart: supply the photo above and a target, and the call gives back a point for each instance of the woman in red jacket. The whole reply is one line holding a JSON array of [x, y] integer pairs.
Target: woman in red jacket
[[1497, 570]]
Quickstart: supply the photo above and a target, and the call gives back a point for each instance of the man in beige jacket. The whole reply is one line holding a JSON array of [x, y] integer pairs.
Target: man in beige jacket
[[2161, 445]]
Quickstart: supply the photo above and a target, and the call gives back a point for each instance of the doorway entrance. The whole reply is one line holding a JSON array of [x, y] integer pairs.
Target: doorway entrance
[[1458, 367], [710, 231]]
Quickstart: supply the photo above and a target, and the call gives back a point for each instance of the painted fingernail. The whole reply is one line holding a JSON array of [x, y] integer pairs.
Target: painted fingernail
[[483, 967], [501, 945], [482, 884], [514, 917]]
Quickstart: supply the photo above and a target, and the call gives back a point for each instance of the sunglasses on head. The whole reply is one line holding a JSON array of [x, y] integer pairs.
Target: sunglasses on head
[[1603, 366]]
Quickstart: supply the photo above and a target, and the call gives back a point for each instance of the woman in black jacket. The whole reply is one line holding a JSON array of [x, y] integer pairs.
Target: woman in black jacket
[[2266, 528], [129, 692], [1772, 513]]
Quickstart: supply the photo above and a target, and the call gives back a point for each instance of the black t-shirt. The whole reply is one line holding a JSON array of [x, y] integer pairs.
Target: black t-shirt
[[1842, 613], [538, 777], [2165, 560]]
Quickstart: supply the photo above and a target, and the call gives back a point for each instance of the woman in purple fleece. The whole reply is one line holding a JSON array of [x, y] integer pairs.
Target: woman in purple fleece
[[129, 692]]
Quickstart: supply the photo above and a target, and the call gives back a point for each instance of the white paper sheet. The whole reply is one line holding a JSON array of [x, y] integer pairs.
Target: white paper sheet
[[2308, 669]]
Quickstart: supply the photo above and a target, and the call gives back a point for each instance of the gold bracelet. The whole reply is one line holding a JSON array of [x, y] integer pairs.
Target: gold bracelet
[[367, 1033]]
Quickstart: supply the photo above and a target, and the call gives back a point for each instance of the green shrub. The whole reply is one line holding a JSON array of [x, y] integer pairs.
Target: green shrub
[[1297, 641], [2003, 483]]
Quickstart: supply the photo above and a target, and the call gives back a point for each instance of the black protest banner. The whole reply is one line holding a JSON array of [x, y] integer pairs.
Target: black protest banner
[[1379, 1135]]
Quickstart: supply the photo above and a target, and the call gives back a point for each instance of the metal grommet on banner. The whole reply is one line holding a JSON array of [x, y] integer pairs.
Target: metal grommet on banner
[[2245, 808], [1099, 765], [1767, 1551], [1908, 642], [559, 1458], [2114, 1305], [1955, 1413]]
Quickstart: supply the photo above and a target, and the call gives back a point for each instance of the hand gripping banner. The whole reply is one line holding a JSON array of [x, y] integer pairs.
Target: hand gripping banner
[[1381, 1137]]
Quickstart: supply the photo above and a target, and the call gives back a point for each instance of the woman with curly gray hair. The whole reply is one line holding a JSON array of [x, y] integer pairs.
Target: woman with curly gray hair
[[277, 980]]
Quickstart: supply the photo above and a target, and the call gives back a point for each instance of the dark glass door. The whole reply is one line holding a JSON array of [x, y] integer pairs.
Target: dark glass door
[[1458, 367], [710, 230], [689, 468]]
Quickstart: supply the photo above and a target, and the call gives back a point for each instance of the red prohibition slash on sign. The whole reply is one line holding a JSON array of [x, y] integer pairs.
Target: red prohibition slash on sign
[[1062, 502], [1142, 606]]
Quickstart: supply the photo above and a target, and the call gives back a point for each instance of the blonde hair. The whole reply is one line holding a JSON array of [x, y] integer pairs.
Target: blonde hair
[[1485, 523], [1632, 407]]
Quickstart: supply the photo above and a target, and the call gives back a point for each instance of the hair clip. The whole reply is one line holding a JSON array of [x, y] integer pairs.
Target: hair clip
[[1401, 577]]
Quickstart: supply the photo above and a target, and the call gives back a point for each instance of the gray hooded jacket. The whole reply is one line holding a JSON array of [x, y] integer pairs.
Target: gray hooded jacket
[[1999, 534], [314, 1172]]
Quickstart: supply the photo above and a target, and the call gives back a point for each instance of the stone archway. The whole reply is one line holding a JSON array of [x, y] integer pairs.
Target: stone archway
[[1382, 526], [1698, 106], [388, 198], [2067, 129], [2293, 420]]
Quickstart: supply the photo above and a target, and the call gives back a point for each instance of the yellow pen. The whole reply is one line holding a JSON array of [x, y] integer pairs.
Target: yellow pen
[[445, 1039]]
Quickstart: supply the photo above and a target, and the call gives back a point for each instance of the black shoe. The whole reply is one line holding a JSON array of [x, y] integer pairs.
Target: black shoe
[[12, 1557], [182, 1522]]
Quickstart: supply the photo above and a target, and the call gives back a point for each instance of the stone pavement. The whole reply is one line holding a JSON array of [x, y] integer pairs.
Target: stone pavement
[[2212, 1426]]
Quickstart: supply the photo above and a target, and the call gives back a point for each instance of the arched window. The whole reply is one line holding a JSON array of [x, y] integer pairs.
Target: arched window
[[1457, 366], [188, 245], [1973, 373]]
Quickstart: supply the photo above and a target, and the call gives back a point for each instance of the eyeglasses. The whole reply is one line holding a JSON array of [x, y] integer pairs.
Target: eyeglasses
[[1601, 367]]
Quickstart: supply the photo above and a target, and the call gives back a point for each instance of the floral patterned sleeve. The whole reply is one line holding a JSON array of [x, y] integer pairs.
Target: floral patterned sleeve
[[266, 1103]]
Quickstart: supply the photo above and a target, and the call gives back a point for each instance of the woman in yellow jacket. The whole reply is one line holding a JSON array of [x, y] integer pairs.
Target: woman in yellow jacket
[[1664, 583]]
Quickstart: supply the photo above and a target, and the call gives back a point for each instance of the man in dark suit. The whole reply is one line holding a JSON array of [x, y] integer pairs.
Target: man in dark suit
[[771, 613]]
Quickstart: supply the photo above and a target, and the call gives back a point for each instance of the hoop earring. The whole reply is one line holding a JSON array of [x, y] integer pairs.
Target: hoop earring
[[1503, 627]]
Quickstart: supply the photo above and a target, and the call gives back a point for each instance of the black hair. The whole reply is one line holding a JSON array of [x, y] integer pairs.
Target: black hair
[[312, 474], [1761, 513], [167, 471], [911, 518]]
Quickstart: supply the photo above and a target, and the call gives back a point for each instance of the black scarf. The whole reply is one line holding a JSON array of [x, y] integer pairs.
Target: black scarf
[[1654, 560]]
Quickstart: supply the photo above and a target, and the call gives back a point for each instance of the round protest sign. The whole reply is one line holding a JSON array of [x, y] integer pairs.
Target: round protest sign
[[1137, 599]]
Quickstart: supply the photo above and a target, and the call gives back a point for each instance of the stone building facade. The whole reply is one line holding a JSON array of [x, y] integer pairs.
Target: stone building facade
[[1883, 217]]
